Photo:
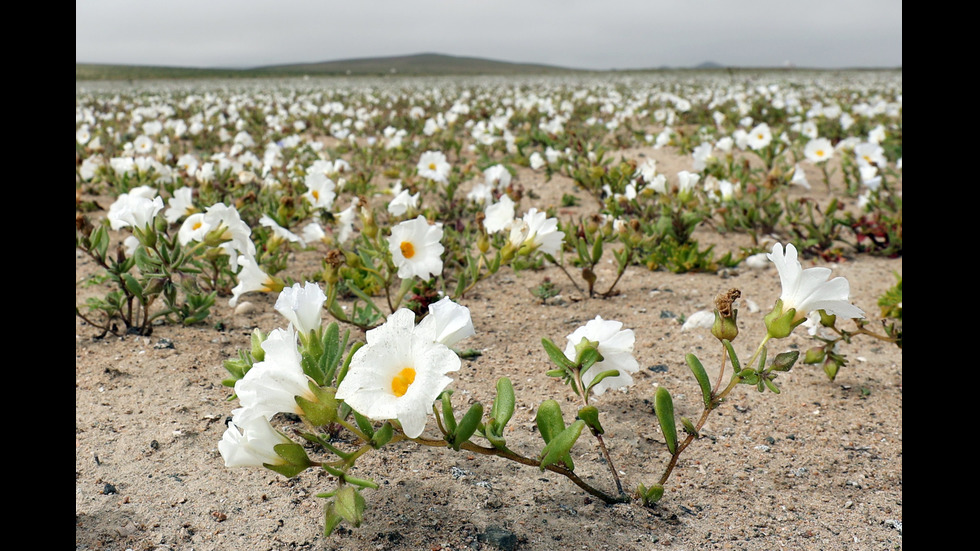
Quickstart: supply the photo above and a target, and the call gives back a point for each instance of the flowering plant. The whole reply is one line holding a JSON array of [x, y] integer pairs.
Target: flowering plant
[[394, 388]]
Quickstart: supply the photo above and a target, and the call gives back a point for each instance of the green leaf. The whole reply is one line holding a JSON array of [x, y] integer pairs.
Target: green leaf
[[503, 405], [557, 356], [702, 377], [467, 425], [664, 408], [448, 417], [731, 355], [601, 376], [133, 286], [561, 444]]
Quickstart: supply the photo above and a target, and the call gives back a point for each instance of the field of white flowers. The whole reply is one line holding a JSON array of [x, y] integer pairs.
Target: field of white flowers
[[227, 230]]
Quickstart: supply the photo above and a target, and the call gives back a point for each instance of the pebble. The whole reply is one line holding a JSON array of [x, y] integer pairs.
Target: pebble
[[501, 538], [245, 308], [758, 261]]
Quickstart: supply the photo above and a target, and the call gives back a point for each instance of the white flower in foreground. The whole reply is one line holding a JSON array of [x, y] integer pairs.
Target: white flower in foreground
[[537, 232], [433, 165], [302, 306], [272, 385], [616, 347], [447, 322], [818, 150], [194, 228], [253, 446], [134, 209], [398, 374], [235, 233], [806, 290], [251, 278], [499, 215], [416, 249]]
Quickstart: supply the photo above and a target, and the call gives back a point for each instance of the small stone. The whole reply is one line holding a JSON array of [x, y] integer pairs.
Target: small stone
[[501, 538], [245, 308], [164, 344], [758, 261], [108, 489]]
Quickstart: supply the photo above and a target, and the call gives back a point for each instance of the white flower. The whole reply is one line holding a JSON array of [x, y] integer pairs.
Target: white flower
[[236, 233], [870, 154], [398, 374], [319, 190], [194, 228], [345, 221], [537, 232], [416, 249], [818, 150], [433, 165], [134, 209], [497, 176], [499, 215], [272, 385], [537, 161], [302, 306], [447, 322], [403, 201], [481, 193], [686, 182], [313, 232], [759, 137], [251, 278], [616, 347], [181, 204], [808, 290], [799, 177], [266, 221], [702, 154], [254, 446]]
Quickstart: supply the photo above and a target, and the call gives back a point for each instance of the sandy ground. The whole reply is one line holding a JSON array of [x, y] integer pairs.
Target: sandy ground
[[818, 466]]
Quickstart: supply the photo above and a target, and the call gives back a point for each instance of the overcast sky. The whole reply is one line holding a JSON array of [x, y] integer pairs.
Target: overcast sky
[[594, 34]]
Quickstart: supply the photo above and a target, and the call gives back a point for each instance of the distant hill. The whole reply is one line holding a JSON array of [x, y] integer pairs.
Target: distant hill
[[418, 64]]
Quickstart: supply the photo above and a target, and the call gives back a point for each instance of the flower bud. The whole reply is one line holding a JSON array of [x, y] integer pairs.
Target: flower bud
[[785, 360], [814, 355], [258, 353]]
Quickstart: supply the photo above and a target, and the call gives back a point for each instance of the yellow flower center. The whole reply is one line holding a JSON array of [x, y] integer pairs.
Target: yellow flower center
[[316, 194], [432, 166], [408, 250], [401, 382], [197, 225], [820, 153]]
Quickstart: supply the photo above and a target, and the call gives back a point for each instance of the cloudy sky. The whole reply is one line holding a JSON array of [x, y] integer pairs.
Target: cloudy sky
[[583, 34]]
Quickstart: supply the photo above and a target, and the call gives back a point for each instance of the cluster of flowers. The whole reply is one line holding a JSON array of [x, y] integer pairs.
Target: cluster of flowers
[[404, 367]]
